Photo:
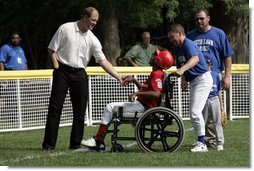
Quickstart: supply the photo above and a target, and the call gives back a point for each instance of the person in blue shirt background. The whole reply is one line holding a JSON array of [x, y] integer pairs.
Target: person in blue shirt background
[[212, 109], [192, 68], [12, 56]]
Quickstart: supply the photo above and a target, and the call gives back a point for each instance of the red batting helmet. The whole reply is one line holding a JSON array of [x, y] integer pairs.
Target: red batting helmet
[[163, 58]]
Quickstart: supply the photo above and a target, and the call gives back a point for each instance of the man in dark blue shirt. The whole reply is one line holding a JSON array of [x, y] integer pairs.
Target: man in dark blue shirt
[[192, 68]]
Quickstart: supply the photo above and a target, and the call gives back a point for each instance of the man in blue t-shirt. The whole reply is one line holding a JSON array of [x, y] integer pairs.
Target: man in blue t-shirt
[[213, 42], [192, 68], [12, 56]]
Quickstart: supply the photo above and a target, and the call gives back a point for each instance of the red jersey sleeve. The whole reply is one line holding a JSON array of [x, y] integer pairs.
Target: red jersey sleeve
[[156, 80]]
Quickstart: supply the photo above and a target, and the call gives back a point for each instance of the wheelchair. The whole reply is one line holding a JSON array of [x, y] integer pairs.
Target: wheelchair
[[158, 129]]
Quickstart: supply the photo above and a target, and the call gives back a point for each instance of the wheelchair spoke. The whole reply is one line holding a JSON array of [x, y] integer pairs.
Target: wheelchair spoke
[[165, 144], [152, 140], [171, 134]]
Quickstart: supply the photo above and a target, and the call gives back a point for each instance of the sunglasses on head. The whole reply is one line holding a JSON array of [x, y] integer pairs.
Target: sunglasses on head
[[200, 18]]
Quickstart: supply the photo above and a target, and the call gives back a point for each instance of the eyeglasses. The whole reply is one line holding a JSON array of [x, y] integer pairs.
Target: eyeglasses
[[201, 18]]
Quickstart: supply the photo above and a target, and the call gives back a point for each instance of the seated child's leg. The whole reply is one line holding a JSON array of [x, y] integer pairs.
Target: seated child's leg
[[108, 112], [101, 132]]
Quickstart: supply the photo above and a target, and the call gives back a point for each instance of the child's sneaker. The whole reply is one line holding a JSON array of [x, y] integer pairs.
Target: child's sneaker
[[94, 144], [220, 148], [89, 143], [200, 147]]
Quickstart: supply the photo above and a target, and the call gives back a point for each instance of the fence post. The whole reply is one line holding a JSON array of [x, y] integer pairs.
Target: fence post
[[89, 106], [19, 104], [230, 100], [179, 97]]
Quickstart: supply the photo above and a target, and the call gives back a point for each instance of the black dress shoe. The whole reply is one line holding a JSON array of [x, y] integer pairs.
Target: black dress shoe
[[46, 147], [74, 147]]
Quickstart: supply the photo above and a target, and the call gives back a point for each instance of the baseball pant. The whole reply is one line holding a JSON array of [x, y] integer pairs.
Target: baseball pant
[[212, 117], [128, 107], [200, 88]]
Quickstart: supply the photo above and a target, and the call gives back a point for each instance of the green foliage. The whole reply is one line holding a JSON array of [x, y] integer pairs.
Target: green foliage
[[240, 7], [187, 9], [145, 13], [37, 20]]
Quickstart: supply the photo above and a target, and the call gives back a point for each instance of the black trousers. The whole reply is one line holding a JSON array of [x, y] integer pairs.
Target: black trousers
[[76, 81]]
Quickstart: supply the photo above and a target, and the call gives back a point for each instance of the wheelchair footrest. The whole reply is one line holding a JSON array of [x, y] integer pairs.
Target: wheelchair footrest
[[124, 138]]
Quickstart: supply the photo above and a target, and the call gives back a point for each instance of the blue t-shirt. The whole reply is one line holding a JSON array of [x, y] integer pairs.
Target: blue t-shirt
[[184, 53], [216, 84], [13, 57], [215, 43]]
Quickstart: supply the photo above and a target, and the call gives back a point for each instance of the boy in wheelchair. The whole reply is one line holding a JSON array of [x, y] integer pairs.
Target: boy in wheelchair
[[147, 97]]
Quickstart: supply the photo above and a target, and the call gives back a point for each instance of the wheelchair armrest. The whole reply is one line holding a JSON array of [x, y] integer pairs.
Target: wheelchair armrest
[[120, 112]]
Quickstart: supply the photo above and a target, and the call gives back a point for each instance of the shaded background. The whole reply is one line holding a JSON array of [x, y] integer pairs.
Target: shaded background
[[120, 24]]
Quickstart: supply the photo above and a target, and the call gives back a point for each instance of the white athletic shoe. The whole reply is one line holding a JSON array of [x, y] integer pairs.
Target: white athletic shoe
[[220, 148], [89, 143], [200, 147], [195, 143]]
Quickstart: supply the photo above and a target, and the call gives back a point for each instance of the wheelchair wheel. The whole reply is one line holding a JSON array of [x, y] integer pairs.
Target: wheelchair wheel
[[117, 148], [160, 130]]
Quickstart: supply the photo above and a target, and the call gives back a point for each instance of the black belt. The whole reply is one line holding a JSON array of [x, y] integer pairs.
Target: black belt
[[69, 68]]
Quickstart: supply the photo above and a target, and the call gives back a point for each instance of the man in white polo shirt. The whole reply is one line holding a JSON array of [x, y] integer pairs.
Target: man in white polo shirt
[[70, 50]]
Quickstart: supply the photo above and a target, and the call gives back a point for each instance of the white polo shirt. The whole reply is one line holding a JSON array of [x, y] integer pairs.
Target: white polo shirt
[[75, 48]]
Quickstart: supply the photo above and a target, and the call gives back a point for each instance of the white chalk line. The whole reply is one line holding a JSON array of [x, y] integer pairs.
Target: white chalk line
[[30, 157]]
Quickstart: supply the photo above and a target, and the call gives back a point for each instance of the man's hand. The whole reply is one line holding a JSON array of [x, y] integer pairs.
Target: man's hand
[[179, 72], [53, 56], [226, 83], [128, 79], [193, 61], [1, 66], [132, 97], [121, 81]]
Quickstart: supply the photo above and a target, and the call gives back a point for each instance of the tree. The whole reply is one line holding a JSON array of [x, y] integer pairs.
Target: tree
[[233, 17], [125, 16], [120, 24]]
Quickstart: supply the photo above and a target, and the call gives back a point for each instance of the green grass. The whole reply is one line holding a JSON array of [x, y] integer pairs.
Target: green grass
[[24, 149]]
